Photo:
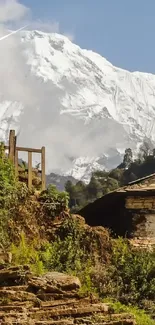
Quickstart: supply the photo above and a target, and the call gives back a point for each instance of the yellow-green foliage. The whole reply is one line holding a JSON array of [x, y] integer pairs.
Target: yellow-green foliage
[[140, 316], [7, 180], [134, 272], [12, 193], [65, 254], [129, 276], [26, 253], [68, 253], [7, 193]]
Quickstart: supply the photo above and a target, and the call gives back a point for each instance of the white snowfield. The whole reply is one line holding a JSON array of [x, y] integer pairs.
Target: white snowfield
[[82, 108]]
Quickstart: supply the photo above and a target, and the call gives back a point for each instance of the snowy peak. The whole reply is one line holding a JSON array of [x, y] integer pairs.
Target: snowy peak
[[74, 102]]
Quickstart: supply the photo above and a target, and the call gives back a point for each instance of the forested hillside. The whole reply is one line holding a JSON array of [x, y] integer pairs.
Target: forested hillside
[[103, 182]]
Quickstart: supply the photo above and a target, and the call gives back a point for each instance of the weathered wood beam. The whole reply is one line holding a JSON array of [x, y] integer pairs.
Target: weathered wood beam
[[43, 176], [34, 170], [12, 143], [16, 163], [26, 149], [29, 170]]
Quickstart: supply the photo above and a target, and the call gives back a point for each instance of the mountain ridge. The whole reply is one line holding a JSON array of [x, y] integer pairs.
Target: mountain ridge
[[76, 103]]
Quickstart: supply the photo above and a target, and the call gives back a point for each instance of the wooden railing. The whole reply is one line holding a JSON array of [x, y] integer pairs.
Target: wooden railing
[[13, 156]]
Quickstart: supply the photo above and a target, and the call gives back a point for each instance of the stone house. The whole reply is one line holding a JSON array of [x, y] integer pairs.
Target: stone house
[[128, 211]]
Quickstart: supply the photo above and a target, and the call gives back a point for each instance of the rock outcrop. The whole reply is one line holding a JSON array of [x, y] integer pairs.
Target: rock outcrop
[[51, 299]]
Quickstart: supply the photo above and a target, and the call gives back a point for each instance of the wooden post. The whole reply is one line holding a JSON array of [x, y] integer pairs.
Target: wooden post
[[29, 170], [12, 146], [16, 163], [43, 176]]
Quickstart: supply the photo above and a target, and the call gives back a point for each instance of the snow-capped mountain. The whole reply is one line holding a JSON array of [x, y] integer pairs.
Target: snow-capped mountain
[[82, 108]]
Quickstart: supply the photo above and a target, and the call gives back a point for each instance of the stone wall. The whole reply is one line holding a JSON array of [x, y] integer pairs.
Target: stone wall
[[142, 210], [140, 202]]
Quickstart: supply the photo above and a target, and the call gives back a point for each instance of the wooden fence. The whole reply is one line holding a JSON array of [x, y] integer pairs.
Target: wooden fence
[[13, 156]]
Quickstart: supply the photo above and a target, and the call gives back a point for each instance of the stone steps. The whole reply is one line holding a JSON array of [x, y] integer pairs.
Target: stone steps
[[72, 311], [41, 314], [52, 299], [70, 316], [14, 288], [57, 296], [19, 321], [62, 315]]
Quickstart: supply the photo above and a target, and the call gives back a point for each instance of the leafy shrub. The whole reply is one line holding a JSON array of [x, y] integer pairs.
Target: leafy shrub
[[140, 316], [130, 275], [26, 253], [54, 202], [68, 253], [7, 180], [63, 255], [135, 272], [8, 192]]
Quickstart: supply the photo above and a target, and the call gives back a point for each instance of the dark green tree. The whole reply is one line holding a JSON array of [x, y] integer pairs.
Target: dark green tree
[[99, 174], [71, 190], [109, 185], [153, 152], [80, 193], [69, 187], [128, 158], [94, 189], [116, 174]]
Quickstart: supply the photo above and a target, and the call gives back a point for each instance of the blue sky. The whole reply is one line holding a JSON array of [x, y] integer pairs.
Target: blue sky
[[123, 31]]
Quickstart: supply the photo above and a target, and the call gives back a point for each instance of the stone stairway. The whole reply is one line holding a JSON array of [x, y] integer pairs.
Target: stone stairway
[[52, 299]]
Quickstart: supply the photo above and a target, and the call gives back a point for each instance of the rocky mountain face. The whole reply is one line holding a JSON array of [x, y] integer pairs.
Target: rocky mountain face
[[82, 108], [59, 180]]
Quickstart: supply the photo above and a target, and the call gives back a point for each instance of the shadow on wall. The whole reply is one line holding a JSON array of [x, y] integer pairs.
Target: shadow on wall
[[110, 212]]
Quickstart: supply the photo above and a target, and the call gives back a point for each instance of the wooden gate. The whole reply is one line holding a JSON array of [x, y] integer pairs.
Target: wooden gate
[[13, 156]]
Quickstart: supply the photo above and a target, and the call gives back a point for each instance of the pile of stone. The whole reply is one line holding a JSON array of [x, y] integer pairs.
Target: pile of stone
[[51, 299], [143, 243]]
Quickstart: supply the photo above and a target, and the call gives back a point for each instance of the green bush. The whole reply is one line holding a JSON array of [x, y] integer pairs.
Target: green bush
[[25, 253], [63, 255], [68, 253], [8, 192], [140, 316], [131, 274], [7, 180], [54, 202]]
